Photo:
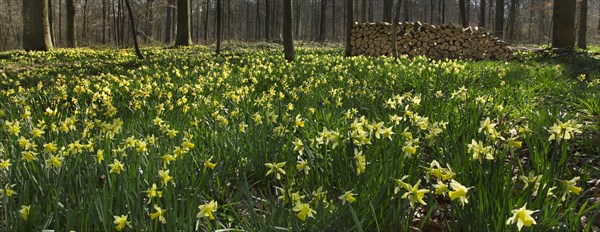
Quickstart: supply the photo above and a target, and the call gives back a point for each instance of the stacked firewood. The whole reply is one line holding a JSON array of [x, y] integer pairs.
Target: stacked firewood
[[437, 42]]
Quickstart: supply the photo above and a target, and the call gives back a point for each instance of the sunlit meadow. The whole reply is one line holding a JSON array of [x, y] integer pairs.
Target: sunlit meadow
[[96, 140]]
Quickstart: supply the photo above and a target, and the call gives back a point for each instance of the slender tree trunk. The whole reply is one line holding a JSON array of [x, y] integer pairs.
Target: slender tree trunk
[[322, 21], [462, 13], [267, 19], [288, 38], [115, 27], [84, 30], [103, 21], [150, 18], [563, 27], [228, 19], [298, 18], [50, 21], [468, 11], [482, 13], [60, 38], [258, 20], [247, 30], [71, 34], [184, 37], [219, 22], [363, 11], [168, 21], [206, 13], [499, 26], [333, 32], [387, 10], [581, 38], [512, 19], [443, 11], [395, 29], [349, 24], [406, 12], [36, 27], [371, 7], [134, 31]]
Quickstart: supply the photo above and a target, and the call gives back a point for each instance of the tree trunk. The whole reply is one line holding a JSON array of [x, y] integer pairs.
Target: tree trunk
[[71, 34], [581, 38], [288, 38], [84, 30], [298, 17], [406, 12], [184, 37], [443, 11], [257, 30], [333, 32], [219, 25], [363, 11], [206, 10], [36, 27], [103, 21], [387, 10], [371, 10], [267, 19], [563, 27], [349, 23], [229, 19], [499, 26], [482, 13], [512, 19], [247, 31], [50, 13], [168, 21], [395, 29], [322, 21], [134, 31], [462, 13], [150, 18]]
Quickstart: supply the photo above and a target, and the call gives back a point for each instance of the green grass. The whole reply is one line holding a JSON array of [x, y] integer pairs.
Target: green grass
[[338, 108]]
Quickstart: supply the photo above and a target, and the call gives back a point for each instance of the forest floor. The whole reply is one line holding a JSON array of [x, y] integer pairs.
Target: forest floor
[[95, 139]]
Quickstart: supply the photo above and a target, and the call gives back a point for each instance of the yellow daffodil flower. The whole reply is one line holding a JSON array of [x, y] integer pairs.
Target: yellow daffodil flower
[[522, 217], [276, 168], [415, 194], [460, 192], [206, 210], [348, 196], [160, 214], [304, 211], [121, 222]]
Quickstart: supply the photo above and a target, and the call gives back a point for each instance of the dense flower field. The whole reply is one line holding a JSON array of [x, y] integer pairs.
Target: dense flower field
[[95, 140]]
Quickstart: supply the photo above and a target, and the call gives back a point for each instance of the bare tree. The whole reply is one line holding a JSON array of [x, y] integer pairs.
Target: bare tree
[[36, 27], [71, 34], [219, 25], [563, 27], [387, 10], [267, 19], [184, 35], [169, 20], [582, 34], [322, 20], [481, 13], [363, 10], [134, 31], [349, 23], [499, 25], [462, 13], [288, 39], [395, 28]]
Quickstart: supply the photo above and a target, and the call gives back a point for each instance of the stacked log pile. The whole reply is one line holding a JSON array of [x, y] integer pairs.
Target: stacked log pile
[[437, 42]]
